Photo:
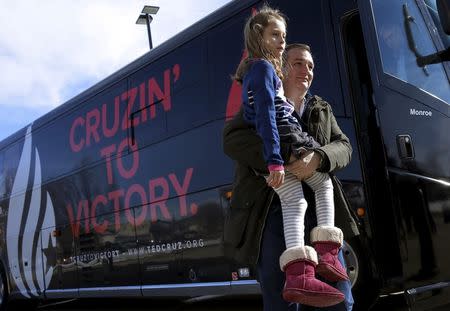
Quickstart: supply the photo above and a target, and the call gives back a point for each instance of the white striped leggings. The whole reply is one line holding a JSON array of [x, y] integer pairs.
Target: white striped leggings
[[294, 205]]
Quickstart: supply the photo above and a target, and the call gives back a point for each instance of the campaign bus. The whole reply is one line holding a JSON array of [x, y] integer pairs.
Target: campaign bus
[[123, 190]]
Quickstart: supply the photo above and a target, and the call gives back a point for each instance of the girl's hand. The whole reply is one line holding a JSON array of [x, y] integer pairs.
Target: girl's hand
[[275, 179]]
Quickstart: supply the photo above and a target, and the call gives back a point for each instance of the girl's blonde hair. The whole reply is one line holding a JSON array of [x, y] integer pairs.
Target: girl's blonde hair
[[254, 43]]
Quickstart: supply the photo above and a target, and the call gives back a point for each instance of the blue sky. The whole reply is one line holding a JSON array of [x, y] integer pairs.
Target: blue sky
[[62, 47]]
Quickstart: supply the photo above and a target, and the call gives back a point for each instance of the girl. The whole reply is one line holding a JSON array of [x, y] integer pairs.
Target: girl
[[266, 108]]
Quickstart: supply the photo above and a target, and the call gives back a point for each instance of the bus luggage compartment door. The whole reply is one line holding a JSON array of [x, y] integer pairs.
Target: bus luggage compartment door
[[60, 268]]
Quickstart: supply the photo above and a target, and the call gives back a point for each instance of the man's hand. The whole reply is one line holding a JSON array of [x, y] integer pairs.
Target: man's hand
[[304, 167], [275, 179]]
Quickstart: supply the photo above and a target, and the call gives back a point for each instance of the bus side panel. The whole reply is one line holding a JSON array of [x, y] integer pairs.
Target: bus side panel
[[106, 253], [59, 261], [180, 175], [411, 113], [424, 214], [182, 163], [92, 132]]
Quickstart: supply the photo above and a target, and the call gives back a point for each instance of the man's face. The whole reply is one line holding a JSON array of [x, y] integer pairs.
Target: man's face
[[300, 66], [274, 37]]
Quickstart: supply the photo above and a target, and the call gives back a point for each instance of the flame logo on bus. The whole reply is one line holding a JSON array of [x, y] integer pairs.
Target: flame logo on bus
[[30, 268]]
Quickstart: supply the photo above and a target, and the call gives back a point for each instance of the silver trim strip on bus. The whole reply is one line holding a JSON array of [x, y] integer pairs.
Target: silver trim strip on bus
[[244, 287], [187, 289], [117, 291], [61, 293]]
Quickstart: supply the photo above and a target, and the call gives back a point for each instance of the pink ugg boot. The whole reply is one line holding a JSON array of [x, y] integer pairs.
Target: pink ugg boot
[[327, 241], [301, 284]]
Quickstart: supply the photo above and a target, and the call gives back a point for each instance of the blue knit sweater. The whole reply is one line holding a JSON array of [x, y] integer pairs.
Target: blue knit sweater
[[261, 91]]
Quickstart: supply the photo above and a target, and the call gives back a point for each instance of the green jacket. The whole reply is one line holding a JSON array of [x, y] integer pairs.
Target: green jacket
[[252, 197]]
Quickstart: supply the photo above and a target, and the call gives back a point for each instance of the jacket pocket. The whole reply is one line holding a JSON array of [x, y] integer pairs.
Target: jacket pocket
[[237, 222]]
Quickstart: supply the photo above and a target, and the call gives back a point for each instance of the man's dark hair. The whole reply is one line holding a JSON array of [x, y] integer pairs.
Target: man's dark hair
[[292, 46], [297, 46]]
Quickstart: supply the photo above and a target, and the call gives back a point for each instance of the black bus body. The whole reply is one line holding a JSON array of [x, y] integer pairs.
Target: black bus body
[[123, 190]]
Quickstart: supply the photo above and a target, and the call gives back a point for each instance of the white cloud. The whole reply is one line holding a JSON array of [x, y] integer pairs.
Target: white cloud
[[47, 45]]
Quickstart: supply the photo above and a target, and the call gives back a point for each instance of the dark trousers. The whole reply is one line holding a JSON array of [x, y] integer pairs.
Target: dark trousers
[[270, 276]]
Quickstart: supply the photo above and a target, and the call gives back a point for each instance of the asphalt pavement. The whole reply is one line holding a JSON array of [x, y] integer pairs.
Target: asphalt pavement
[[213, 303], [251, 303]]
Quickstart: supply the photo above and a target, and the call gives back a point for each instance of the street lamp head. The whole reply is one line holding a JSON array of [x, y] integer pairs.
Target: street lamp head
[[146, 18], [148, 9], [142, 19]]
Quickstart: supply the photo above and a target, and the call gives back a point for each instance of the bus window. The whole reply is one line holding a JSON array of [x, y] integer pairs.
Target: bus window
[[150, 132], [431, 7], [397, 59]]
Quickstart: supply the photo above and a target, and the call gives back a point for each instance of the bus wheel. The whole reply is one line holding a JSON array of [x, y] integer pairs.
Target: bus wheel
[[351, 260], [364, 287]]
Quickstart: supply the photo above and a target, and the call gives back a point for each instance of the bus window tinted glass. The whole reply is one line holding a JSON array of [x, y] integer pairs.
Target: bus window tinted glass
[[398, 60], [431, 6]]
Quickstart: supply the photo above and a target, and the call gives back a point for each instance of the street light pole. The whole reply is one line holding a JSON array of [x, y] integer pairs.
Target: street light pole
[[146, 18], [149, 20]]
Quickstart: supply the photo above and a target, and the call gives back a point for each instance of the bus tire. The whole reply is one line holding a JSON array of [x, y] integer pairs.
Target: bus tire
[[6, 304], [364, 287]]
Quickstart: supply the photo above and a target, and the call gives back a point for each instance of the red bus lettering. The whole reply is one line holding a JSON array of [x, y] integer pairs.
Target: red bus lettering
[[99, 228], [92, 124], [139, 190], [131, 96], [142, 102], [181, 190], [154, 90], [107, 152], [110, 132], [79, 122], [114, 196], [127, 173], [159, 201], [83, 205], [97, 125]]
